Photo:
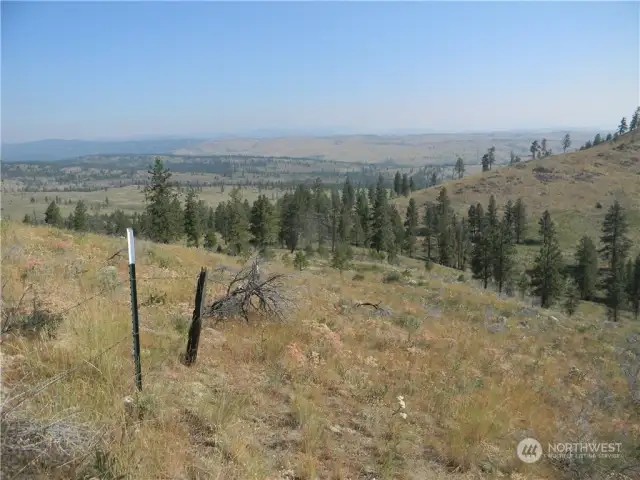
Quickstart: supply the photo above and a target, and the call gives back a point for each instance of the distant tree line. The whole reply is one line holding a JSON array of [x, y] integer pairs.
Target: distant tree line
[[623, 128]]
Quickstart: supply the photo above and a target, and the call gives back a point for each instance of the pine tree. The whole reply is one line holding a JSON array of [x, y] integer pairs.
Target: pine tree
[[363, 216], [119, 223], [411, 228], [615, 246], [543, 148], [534, 149], [481, 253], [492, 156], [406, 190], [262, 222], [357, 233], [622, 129], [471, 215], [503, 253], [321, 207], [459, 168], [443, 202], [573, 297], [493, 228], [585, 272], [238, 223], [429, 223], [176, 220], [381, 225], [159, 195], [300, 261], [210, 240], [523, 284], [348, 196], [446, 238], [479, 215], [492, 215], [211, 220], [566, 143], [445, 231], [334, 218], [463, 242], [371, 194], [52, 215], [412, 185], [634, 288], [192, 220], [485, 163], [289, 222], [546, 279], [509, 219], [520, 220], [80, 220], [397, 183], [221, 218], [397, 229], [342, 256], [635, 119], [597, 140], [345, 226]]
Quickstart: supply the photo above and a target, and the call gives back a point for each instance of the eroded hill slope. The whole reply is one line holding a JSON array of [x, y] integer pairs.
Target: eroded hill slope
[[570, 186]]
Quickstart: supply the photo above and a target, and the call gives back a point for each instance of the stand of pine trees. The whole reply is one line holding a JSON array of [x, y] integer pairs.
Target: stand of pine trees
[[483, 241]]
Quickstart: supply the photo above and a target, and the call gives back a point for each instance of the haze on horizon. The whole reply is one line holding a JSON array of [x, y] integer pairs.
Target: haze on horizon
[[120, 69]]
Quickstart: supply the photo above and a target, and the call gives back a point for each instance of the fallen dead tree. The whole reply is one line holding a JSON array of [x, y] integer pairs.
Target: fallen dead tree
[[379, 310], [250, 290], [367, 304]]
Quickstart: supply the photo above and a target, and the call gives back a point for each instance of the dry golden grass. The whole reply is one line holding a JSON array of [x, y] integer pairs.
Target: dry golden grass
[[129, 199], [569, 186], [313, 397]]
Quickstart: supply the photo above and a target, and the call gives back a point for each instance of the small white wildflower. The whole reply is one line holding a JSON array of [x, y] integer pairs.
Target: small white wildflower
[[401, 402], [403, 415]]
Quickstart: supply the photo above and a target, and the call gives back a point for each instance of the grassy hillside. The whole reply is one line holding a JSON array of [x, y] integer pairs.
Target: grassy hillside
[[313, 397], [570, 186]]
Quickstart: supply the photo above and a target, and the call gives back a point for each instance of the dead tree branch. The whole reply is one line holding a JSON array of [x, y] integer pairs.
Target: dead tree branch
[[249, 290], [367, 304]]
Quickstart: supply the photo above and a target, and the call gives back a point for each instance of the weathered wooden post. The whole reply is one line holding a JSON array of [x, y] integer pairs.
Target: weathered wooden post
[[196, 321]]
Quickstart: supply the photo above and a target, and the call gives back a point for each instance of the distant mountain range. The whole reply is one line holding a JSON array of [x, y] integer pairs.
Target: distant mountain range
[[262, 142], [55, 149]]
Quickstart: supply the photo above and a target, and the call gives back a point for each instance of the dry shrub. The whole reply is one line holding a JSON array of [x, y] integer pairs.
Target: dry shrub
[[29, 447], [250, 290]]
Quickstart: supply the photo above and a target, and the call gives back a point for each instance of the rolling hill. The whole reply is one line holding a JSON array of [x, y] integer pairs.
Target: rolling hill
[[415, 150], [577, 188], [441, 381]]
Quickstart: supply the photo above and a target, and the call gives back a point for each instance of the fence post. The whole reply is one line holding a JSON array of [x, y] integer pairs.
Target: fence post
[[196, 321], [134, 308]]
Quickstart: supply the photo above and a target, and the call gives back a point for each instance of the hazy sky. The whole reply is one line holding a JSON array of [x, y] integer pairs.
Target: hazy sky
[[93, 69]]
